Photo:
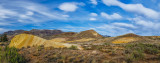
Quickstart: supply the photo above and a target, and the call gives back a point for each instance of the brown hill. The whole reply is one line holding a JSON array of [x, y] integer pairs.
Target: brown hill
[[127, 38], [89, 34]]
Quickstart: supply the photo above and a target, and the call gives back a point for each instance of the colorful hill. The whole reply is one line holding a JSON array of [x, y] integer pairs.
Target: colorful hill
[[25, 40]]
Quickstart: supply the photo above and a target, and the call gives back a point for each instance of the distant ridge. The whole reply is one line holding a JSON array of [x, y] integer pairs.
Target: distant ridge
[[84, 35], [40, 33], [50, 34], [65, 35]]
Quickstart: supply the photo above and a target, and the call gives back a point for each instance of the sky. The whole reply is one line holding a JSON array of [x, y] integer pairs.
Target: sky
[[107, 17]]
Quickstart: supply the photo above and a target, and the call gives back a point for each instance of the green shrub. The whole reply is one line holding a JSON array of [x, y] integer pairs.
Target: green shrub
[[107, 44], [135, 55], [0, 49], [137, 51], [73, 47], [12, 56], [40, 47], [0, 53], [146, 48]]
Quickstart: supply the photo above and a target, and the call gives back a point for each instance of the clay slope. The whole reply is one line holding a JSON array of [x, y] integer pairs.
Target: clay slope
[[127, 38], [24, 40]]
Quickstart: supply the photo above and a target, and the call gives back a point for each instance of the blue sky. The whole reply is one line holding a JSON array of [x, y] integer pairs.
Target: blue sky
[[107, 17]]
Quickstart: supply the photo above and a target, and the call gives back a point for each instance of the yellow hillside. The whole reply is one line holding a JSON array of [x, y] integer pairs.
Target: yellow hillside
[[126, 38], [24, 40]]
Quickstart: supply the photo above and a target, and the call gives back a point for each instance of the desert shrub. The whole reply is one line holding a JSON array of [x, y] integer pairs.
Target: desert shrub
[[135, 55], [1, 53], [113, 52], [136, 51], [40, 47], [107, 44], [0, 49], [98, 47], [12, 56], [151, 50], [146, 48], [73, 47]]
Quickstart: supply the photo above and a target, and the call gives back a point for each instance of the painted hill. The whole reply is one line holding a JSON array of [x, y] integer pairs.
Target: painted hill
[[127, 38], [24, 40]]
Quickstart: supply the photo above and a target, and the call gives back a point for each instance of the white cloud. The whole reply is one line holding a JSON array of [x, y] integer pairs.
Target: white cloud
[[42, 10], [4, 23], [146, 24], [3, 30], [94, 14], [4, 13], [66, 16], [124, 25], [113, 30], [29, 13], [94, 2], [137, 8], [92, 19], [69, 7], [114, 16]]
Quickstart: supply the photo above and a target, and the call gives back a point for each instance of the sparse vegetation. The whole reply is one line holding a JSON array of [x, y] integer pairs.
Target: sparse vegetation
[[137, 51], [73, 47], [11, 55], [40, 47], [107, 44]]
